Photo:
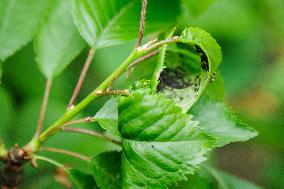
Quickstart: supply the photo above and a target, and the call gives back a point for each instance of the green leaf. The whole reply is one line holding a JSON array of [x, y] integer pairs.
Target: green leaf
[[82, 180], [57, 42], [217, 119], [211, 178], [105, 23], [106, 169], [196, 181], [190, 66], [220, 122], [216, 90], [6, 114], [107, 116], [18, 22], [161, 145], [227, 181]]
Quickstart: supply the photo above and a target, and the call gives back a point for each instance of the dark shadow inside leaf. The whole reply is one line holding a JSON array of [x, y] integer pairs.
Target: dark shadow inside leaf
[[181, 78]]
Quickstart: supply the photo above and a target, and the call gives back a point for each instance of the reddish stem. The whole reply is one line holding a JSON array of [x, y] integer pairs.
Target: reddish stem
[[82, 77], [43, 108], [92, 133], [66, 152], [142, 23]]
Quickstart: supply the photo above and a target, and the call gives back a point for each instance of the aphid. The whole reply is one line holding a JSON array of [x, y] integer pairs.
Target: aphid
[[212, 79], [203, 57], [197, 83]]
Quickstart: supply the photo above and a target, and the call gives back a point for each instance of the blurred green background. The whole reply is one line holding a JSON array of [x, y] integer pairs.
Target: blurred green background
[[251, 34]]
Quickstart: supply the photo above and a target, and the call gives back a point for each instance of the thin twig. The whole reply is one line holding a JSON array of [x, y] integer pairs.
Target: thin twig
[[84, 120], [141, 59], [82, 77], [142, 23], [43, 108], [148, 48], [51, 161], [66, 152], [92, 133]]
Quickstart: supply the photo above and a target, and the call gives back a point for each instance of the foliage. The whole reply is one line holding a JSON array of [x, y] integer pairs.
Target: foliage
[[57, 41], [161, 128], [17, 29], [105, 23]]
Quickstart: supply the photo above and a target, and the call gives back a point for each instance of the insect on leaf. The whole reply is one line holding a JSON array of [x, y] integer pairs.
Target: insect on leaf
[[189, 66]]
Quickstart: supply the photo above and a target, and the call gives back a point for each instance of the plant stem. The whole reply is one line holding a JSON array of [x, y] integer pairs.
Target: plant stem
[[142, 23], [141, 59], [66, 152], [136, 53], [85, 120], [115, 92], [92, 133], [43, 108], [82, 77], [158, 44], [51, 161]]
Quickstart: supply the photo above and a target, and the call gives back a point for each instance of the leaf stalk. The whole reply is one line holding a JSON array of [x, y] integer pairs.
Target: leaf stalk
[[81, 78], [65, 152], [92, 133], [43, 108]]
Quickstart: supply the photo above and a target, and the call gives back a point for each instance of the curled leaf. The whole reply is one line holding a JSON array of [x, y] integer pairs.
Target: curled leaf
[[189, 66]]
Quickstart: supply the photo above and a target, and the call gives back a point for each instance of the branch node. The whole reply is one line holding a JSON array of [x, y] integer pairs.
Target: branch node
[[70, 107], [149, 44], [175, 38], [99, 92], [89, 119]]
